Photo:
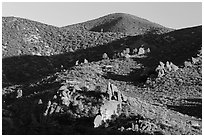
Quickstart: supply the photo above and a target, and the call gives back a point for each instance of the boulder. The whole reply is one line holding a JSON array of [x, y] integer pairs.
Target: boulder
[[187, 64], [109, 91], [114, 93], [127, 56], [19, 93], [161, 73], [127, 50], [105, 56], [141, 51], [195, 124], [174, 67], [162, 65], [110, 108], [160, 70], [134, 51], [77, 62], [168, 66], [86, 61], [97, 121], [40, 102], [148, 50], [195, 60], [108, 66]]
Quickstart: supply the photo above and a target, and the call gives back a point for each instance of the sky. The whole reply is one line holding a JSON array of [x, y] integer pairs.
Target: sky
[[169, 14]]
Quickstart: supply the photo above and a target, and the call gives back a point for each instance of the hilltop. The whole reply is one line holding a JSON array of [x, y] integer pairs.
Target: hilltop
[[120, 22]]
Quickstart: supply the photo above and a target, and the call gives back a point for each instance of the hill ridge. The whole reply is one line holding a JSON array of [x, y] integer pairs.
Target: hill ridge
[[119, 22]]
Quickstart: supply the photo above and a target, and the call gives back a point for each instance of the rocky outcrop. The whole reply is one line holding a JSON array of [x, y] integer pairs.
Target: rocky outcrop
[[141, 51], [112, 106], [86, 61], [162, 68], [195, 60]]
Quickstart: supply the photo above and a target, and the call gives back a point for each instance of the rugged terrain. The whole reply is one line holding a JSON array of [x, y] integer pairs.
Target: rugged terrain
[[49, 88]]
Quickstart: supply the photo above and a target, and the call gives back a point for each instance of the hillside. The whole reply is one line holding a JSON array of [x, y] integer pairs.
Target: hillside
[[179, 45], [160, 106], [49, 88], [120, 22], [25, 37]]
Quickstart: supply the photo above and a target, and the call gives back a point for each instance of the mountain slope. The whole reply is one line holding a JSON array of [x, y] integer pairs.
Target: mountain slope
[[120, 22], [25, 37], [177, 46], [52, 94]]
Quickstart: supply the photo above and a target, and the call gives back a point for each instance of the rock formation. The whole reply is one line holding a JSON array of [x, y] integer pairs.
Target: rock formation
[[86, 61], [162, 69], [141, 51], [77, 62]]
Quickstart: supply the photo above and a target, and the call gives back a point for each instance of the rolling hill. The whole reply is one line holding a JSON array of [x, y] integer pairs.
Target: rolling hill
[[25, 37], [121, 22]]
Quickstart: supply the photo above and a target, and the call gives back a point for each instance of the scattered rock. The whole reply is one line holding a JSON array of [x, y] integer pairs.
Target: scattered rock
[[141, 51], [40, 102], [105, 56], [168, 66], [195, 60], [19, 93], [86, 61], [127, 56], [97, 121], [187, 64], [174, 67], [77, 62], [148, 50], [109, 109]]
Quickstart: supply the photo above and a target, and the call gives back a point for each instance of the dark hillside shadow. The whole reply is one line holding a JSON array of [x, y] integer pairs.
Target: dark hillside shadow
[[176, 46], [133, 77], [27, 68], [183, 44], [192, 108]]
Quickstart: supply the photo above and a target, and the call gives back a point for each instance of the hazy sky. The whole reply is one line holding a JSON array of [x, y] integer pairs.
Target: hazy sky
[[173, 14]]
